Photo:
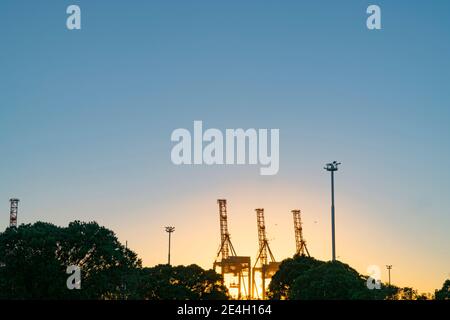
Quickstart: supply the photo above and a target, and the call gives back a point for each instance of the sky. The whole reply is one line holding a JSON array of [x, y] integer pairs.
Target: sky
[[86, 118]]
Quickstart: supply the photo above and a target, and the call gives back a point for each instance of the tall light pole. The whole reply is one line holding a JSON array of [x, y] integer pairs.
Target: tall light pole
[[389, 267], [169, 230], [332, 167]]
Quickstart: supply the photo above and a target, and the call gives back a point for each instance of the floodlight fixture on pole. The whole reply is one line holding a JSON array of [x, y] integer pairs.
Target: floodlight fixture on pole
[[332, 167], [389, 267], [169, 230]]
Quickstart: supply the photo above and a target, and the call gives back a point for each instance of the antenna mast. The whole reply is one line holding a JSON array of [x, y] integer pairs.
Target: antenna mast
[[14, 209]]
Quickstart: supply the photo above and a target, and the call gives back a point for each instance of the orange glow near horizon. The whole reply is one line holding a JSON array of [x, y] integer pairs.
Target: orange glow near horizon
[[360, 242]]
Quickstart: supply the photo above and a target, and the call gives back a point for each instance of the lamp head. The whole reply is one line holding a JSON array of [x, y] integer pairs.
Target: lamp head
[[333, 166], [170, 229]]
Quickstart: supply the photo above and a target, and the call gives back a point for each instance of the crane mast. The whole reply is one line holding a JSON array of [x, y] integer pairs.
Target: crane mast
[[230, 264], [224, 235], [262, 238], [266, 268], [300, 243]]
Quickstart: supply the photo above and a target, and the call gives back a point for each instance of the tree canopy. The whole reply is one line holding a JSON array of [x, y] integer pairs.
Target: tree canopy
[[444, 292], [164, 282], [289, 270], [328, 281], [305, 278], [34, 258]]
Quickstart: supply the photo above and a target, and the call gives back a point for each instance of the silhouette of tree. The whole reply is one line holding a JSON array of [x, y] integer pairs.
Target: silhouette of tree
[[329, 281], [164, 282], [423, 296], [35, 257], [306, 278], [29, 268], [289, 270], [444, 292], [406, 293]]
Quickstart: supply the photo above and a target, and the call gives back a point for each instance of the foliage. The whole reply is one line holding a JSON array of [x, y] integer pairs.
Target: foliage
[[329, 281], [305, 278], [289, 270], [27, 255], [406, 293], [444, 292], [34, 258], [164, 282]]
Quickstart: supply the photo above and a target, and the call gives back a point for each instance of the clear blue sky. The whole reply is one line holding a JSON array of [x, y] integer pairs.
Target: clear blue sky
[[86, 118]]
